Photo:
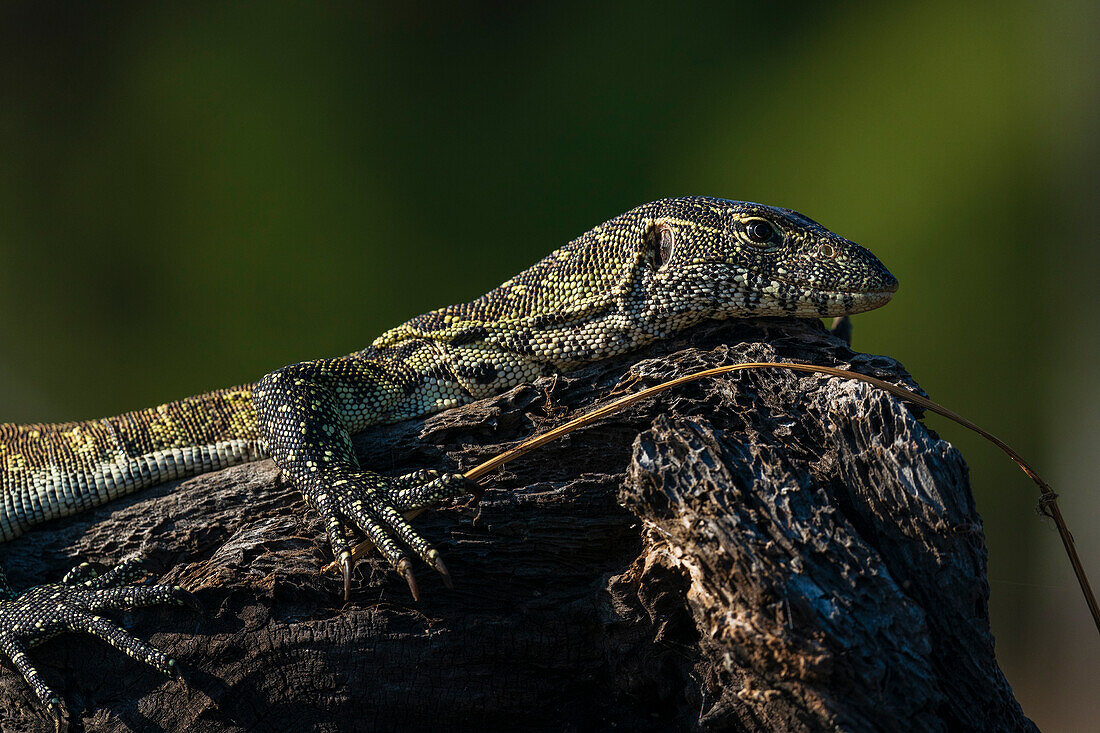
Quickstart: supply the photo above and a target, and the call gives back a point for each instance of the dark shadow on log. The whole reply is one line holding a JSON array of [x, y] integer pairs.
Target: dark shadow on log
[[759, 551]]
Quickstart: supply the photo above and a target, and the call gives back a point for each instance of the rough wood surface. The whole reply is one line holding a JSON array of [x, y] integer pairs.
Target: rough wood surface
[[760, 551]]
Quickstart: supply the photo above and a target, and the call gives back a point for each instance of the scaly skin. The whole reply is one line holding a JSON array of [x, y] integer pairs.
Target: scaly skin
[[639, 277]]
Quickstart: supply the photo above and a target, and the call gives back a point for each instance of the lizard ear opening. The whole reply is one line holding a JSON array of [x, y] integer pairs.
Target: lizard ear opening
[[662, 241]]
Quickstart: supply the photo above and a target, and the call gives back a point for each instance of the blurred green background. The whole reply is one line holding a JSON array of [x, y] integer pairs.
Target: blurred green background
[[194, 194]]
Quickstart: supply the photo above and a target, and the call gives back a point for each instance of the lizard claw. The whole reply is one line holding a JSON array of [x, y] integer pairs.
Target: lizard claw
[[180, 679], [345, 567], [59, 713], [405, 568], [186, 599], [442, 569]]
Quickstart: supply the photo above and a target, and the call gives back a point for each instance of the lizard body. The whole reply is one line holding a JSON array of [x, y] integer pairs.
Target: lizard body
[[639, 277]]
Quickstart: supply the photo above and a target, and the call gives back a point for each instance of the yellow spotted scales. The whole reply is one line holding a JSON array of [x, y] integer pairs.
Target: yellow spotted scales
[[639, 277]]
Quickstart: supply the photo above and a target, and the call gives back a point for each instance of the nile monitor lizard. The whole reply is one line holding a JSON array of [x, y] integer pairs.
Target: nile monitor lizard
[[635, 279]]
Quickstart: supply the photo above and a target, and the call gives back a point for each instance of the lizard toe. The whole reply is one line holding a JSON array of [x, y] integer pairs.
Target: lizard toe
[[374, 504], [73, 605], [419, 491]]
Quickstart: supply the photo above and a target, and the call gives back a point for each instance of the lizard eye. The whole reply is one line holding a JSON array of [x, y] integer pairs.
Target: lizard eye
[[665, 243], [759, 231]]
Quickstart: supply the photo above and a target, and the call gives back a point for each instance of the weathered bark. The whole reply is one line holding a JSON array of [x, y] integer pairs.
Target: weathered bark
[[760, 551]]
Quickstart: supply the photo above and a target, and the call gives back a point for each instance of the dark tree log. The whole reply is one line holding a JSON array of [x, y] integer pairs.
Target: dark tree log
[[760, 551]]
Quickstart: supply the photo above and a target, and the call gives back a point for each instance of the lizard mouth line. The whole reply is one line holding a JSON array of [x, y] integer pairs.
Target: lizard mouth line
[[863, 293], [808, 289]]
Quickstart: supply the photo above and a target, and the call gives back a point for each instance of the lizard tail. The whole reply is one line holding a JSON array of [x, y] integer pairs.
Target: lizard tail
[[51, 471]]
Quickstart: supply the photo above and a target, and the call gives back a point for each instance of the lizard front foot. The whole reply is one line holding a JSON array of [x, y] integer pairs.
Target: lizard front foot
[[73, 605], [373, 504]]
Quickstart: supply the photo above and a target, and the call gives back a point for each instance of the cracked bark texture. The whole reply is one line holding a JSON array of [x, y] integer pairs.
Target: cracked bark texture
[[758, 551]]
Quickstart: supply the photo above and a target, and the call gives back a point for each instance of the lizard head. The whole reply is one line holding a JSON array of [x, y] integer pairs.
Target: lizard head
[[736, 258], [659, 268]]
